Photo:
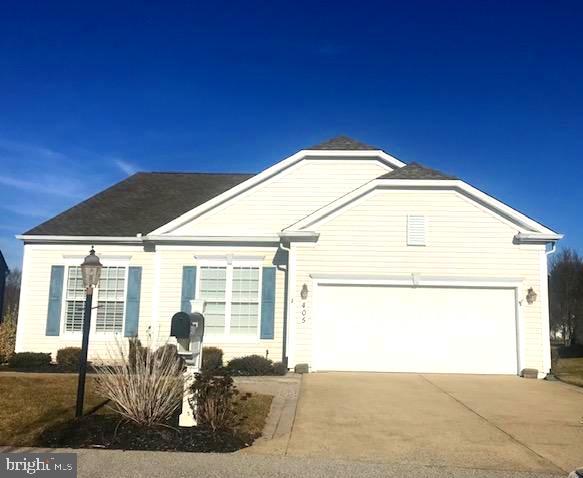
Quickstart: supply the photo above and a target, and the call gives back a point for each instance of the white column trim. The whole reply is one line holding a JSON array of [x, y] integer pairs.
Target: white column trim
[[155, 316], [545, 319], [291, 320]]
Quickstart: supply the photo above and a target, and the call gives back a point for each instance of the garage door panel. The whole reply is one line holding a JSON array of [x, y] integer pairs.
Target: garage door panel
[[421, 329]]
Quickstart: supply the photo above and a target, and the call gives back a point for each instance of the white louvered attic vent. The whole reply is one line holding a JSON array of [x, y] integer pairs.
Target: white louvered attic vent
[[415, 230]]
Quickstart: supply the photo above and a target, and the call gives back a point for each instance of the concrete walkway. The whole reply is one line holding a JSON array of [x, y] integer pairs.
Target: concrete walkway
[[285, 392], [151, 464], [458, 421], [188, 465]]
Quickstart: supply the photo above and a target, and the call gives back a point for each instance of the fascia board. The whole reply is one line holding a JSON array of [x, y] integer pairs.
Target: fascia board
[[143, 239], [502, 209], [269, 173]]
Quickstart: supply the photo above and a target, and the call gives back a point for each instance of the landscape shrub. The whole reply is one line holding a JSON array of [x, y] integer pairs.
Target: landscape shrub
[[571, 351], [7, 337], [29, 360], [212, 359], [136, 352], [279, 368], [69, 358], [171, 350], [213, 401], [251, 365], [143, 385]]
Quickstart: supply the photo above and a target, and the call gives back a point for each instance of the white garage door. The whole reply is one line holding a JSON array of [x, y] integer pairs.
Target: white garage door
[[421, 329]]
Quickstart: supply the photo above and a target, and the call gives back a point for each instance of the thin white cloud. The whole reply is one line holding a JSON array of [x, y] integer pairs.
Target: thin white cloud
[[45, 185], [127, 167], [8, 227], [30, 149], [28, 210]]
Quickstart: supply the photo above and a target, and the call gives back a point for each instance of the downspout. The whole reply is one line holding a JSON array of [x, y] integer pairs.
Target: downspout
[[289, 320], [547, 360], [284, 268]]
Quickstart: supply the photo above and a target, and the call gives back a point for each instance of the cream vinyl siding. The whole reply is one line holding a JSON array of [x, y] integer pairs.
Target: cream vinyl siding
[[463, 240], [161, 290], [36, 272], [286, 198], [173, 258]]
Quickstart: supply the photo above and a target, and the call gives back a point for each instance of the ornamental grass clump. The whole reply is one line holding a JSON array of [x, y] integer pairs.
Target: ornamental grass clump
[[143, 385]]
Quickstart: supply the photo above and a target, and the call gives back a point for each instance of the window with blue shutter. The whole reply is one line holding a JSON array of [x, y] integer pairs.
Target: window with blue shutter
[[267, 302], [55, 300], [132, 319]]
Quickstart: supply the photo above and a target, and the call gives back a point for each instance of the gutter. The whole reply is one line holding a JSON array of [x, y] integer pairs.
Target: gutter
[[141, 239], [165, 238], [299, 236], [537, 238], [91, 239]]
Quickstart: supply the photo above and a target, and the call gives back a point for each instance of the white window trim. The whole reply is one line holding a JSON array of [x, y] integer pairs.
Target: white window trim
[[75, 261], [229, 262]]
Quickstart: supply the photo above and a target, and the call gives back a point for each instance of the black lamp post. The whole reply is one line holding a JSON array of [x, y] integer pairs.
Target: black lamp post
[[90, 271]]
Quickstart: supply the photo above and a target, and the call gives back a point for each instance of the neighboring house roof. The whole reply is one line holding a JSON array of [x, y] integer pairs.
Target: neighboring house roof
[[3, 267], [416, 171], [343, 143], [139, 204]]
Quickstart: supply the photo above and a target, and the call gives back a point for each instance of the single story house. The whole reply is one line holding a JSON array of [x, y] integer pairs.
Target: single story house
[[340, 256]]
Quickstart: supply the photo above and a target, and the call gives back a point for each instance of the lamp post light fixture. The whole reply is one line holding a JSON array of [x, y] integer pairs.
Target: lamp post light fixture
[[91, 272]]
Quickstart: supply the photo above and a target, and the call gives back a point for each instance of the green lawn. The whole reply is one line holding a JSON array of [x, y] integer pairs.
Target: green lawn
[[30, 403], [254, 410], [570, 370]]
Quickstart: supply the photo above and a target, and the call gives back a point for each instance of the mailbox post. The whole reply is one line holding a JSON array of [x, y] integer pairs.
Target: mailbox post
[[188, 329]]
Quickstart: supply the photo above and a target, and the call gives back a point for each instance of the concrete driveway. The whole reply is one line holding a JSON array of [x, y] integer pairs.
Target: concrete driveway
[[467, 421]]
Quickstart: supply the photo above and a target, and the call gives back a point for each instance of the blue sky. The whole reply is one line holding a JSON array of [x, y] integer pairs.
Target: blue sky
[[93, 91]]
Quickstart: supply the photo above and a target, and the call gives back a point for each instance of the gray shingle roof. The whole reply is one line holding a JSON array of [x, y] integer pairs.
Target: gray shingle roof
[[416, 171], [139, 204], [343, 143]]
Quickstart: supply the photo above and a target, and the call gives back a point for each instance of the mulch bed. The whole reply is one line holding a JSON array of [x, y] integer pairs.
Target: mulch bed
[[106, 431]]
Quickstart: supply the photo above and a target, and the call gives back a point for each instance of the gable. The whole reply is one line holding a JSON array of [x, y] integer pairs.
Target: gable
[[525, 227], [448, 217], [285, 198], [152, 204]]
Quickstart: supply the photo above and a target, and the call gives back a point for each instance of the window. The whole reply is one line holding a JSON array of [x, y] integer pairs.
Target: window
[[213, 288], [110, 300], [245, 301], [231, 294], [415, 230], [75, 298]]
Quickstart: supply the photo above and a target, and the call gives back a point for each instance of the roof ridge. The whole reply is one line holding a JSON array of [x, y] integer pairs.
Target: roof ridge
[[416, 170], [343, 143], [196, 173]]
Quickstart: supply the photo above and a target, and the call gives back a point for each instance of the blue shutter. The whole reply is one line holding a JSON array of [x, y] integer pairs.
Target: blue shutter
[[133, 302], [188, 287], [55, 300], [267, 302]]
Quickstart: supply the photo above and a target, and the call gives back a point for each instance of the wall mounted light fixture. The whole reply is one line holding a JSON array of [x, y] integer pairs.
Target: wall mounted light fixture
[[304, 292], [531, 295]]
